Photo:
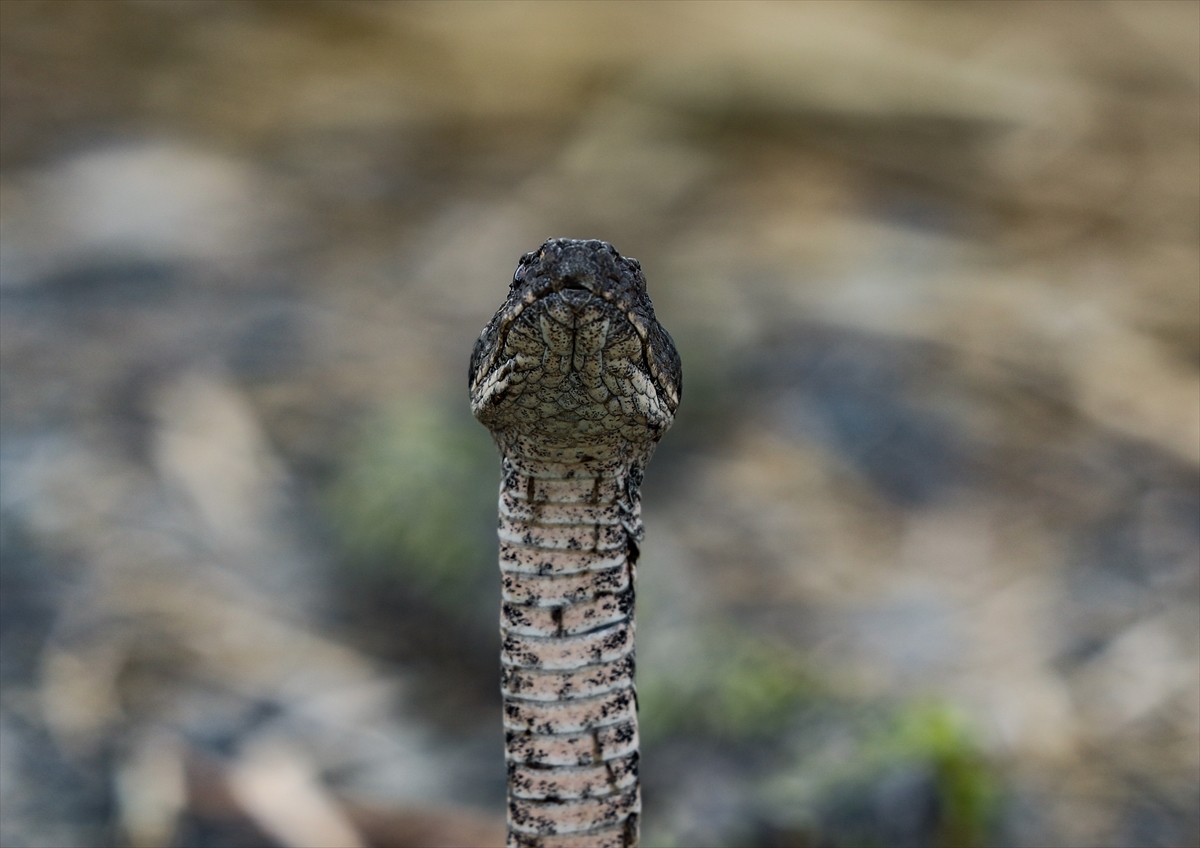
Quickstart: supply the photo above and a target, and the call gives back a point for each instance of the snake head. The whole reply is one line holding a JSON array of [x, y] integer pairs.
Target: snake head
[[575, 354]]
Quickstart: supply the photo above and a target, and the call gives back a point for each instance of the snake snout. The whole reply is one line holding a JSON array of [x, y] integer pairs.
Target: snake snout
[[575, 282], [575, 288]]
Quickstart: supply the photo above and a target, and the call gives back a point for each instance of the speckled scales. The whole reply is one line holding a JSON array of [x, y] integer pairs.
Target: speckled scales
[[568, 668], [577, 382]]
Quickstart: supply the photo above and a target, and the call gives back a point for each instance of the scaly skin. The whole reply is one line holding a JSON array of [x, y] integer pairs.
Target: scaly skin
[[577, 381]]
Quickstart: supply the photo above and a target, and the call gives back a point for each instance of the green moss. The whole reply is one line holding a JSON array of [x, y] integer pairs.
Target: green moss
[[967, 788], [857, 763], [416, 499]]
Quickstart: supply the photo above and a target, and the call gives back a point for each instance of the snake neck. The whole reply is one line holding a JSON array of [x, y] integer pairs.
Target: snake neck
[[569, 529]]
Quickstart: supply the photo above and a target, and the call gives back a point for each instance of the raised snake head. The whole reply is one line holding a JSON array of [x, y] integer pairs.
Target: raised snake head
[[574, 360]]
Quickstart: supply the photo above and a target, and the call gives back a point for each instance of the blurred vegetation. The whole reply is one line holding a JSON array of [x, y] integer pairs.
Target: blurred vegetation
[[733, 688], [887, 774], [411, 504], [967, 786], [922, 566]]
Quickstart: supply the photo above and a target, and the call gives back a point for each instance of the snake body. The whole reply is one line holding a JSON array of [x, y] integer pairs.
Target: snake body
[[577, 381]]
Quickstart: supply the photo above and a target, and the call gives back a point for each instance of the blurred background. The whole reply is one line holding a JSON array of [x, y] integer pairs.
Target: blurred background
[[923, 553]]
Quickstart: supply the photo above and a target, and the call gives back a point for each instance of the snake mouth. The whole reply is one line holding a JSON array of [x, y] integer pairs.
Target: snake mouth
[[573, 288], [577, 290], [563, 265], [573, 282]]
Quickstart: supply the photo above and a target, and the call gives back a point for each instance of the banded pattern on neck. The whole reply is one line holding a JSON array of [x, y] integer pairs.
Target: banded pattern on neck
[[568, 554]]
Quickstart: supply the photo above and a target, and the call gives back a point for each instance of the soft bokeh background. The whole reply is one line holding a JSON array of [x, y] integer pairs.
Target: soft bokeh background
[[922, 556]]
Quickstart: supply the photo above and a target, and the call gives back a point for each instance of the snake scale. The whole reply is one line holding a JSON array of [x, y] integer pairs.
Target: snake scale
[[577, 381]]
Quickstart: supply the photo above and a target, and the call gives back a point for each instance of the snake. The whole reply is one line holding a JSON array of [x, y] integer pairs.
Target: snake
[[577, 382]]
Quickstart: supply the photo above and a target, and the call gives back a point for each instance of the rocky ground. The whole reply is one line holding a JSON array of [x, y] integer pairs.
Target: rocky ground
[[923, 554]]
